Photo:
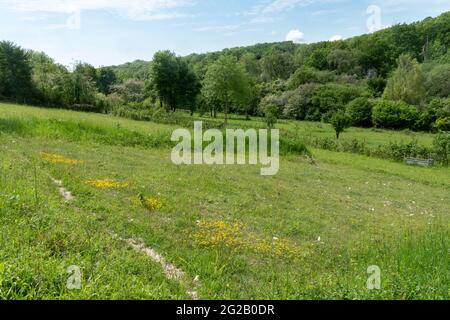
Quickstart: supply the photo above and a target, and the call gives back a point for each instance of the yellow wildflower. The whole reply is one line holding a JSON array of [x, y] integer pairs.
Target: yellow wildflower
[[151, 203], [216, 233], [57, 158], [107, 184]]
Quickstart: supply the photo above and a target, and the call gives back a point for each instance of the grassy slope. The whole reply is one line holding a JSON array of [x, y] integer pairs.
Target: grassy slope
[[365, 211]]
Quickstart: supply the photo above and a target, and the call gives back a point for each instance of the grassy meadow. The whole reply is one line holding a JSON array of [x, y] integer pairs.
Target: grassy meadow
[[310, 232]]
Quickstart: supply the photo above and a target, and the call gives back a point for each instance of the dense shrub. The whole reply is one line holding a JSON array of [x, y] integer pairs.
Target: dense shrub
[[438, 114], [442, 148], [329, 98], [438, 81], [298, 104], [360, 112], [302, 76], [272, 101], [395, 115]]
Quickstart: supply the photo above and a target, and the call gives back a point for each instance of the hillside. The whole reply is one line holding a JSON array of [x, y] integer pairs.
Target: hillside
[[310, 232]]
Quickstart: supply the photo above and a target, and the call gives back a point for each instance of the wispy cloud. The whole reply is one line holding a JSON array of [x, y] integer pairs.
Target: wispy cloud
[[131, 9]]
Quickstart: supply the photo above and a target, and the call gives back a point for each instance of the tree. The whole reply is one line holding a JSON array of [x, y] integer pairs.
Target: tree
[[407, 82], [82, 87], [173, 81], [163, 74], [340, 121], [251, 64], [271, 113], [345, 61], [441, 146], [106, 78], [131, 90], [277, 65], [302, 76], [188, 86], [15, 72], [298, 104], [318, 59], [226, 83], [438, 81], [49, 80]]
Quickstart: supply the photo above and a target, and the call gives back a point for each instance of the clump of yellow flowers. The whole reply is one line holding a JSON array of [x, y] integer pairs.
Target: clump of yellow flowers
[[57, 158], [217, 233], [107, 184], [150, 203]]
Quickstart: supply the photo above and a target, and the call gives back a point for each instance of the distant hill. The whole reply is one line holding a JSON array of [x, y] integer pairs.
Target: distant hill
[[379, 50]]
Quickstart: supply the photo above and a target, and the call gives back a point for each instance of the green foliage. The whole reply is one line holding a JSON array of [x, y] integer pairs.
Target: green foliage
[[270, 114], [173, 81], [15, 72], [277, 64], [106, 78], [50, 80], [438, 81], [442, 147], [227, 83], [302, 76], [82, 85], [130, 90], [437, 113], [394, 115], [330, 98], [340, 121], [298, 103], [345, 61], [132, 70], [318, 59], [407, 82], [360, 112], [377, 85]]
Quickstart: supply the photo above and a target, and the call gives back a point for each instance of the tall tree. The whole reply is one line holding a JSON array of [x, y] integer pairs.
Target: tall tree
[[173, 81], [407, 83], [49, 79], [227, 83], [106, 78], [15, 72], [163, 76]]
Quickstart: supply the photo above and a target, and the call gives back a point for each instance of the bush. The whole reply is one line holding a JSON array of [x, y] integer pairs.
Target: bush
[[360, 112], [86, 108], [270, 101], [299, 102], [395, 115], [332, 97], [271, 116], [438, 81], [302, 76], [441, 147]]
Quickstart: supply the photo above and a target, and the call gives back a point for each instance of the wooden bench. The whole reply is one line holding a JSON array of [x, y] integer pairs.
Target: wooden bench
[[419, 162]]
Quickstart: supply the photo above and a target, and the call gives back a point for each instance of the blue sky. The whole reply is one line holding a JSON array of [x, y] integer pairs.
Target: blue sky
[[106, 32]]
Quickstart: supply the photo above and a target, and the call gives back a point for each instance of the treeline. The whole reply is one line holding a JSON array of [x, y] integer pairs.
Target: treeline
[[397, 78]]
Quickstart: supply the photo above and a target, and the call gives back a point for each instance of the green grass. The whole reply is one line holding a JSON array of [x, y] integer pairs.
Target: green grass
[[220, 223]]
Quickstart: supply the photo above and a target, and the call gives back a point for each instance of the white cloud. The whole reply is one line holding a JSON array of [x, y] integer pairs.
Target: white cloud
[[337, 37], [281, 5], [132, 9], [295, 36]]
